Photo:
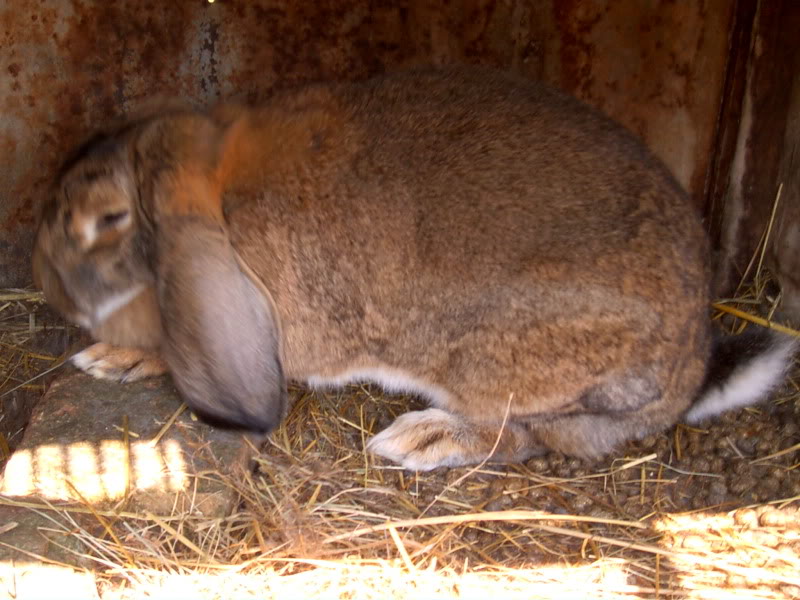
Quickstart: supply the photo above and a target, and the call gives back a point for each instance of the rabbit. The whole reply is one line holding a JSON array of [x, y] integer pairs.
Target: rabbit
[[499, 248]]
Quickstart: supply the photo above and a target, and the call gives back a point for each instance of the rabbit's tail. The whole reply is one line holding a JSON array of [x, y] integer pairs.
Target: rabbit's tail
[[742, 370]]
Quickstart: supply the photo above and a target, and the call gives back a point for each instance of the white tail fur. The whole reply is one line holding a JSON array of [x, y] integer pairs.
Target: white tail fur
[[747, 383]]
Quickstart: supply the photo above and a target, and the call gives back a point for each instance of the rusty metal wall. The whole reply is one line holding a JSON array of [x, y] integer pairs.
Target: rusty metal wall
[[763, 155], [785, 248], [66, 67]]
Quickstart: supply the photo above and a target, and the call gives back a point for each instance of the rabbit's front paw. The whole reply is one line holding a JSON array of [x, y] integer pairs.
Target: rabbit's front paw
[[118, 364], [425, 439]]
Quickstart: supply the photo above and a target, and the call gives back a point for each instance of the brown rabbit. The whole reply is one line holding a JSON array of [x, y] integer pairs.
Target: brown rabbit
[[481, 240]]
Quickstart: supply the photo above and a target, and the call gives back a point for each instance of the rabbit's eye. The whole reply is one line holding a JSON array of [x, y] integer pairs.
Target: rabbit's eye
[[113, 219]]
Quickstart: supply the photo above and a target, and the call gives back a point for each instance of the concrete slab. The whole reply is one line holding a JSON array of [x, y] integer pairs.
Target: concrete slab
[[74, 453]]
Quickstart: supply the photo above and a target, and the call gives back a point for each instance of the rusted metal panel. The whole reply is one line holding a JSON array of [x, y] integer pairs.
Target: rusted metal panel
[[730, 117], [658, 67], [68, 67], [766, 152], [785, 249]]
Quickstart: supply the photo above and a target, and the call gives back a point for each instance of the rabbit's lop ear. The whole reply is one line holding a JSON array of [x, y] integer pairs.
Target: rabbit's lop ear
[[221, 338]]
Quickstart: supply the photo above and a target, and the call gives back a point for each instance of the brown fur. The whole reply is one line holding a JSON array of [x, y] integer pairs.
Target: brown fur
[[107, 361], [487, 237]]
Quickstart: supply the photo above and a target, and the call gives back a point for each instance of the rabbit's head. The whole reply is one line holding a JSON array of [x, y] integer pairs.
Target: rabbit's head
[[140, 212], [89, 258]]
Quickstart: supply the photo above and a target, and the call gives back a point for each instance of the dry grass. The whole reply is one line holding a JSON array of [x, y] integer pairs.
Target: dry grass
[[17, 327], [23, 363]]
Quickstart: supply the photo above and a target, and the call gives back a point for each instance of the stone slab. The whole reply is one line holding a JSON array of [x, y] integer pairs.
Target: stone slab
[[74, 453]]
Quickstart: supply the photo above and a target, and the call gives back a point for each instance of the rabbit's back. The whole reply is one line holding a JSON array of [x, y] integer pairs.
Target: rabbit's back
[[515, 234], [435, 170], [464, 142]]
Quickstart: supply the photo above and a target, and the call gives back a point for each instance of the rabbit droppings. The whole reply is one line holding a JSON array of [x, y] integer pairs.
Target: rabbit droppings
[[481, 240]]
